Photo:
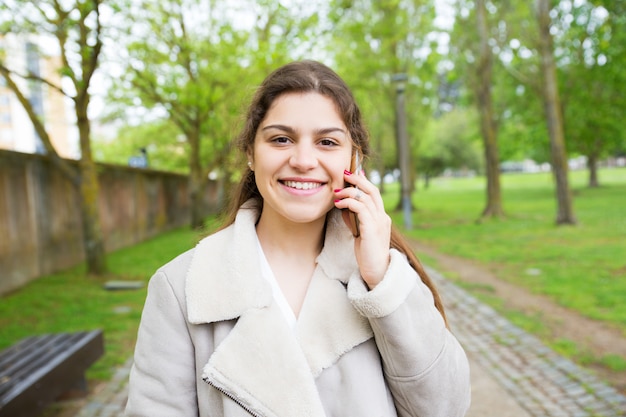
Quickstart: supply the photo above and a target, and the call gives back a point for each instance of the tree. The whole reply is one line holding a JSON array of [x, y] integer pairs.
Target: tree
[[525, 47], [592, 78], [451, 141], [488, 123], [478, 43], [173, 64], [77, 29], [554, 117], [155, 138]]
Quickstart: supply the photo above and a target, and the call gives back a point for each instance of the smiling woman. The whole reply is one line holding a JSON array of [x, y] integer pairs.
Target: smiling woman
[[312, 321]]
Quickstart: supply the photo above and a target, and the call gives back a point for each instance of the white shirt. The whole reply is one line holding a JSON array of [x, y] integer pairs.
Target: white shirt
[[279, 297]]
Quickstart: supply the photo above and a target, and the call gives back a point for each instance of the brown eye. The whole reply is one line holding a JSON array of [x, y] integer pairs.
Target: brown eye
[[281, 139], [328, 142]]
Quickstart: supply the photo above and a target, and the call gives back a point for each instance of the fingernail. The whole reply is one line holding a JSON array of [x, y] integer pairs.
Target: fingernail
[[336, 201], [345, 171], [337, 190]]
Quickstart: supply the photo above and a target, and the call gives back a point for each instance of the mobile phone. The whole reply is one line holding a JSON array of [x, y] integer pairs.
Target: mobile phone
[[355, 168]]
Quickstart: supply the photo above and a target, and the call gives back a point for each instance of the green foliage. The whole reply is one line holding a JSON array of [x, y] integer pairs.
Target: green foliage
[[174, 65], [592, 77], [589, 49], [166, 150], [194, 63], [372, 41], [451, 141]]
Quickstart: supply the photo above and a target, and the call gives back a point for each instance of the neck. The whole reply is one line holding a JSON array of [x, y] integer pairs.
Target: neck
[[299, 240]]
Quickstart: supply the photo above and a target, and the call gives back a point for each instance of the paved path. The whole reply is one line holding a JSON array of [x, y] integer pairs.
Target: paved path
[[110, 401], [542, 382], [513, 373]]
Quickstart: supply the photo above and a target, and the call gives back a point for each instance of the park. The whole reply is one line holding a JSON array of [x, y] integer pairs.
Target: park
[[497, 145]]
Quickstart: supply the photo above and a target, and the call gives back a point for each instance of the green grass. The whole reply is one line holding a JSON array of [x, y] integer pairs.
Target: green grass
[[582, 267], [71, 301]]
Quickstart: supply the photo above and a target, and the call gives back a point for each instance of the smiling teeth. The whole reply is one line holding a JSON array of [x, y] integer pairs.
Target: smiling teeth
[[302, 185]]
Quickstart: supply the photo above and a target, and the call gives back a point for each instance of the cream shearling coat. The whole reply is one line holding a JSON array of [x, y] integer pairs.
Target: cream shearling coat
[[213, 343]]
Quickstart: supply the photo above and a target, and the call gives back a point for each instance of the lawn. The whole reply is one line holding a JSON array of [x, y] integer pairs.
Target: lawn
[[582, 267]]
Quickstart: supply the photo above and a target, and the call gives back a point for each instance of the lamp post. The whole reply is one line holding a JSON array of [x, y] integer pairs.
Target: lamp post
[[403, 149]]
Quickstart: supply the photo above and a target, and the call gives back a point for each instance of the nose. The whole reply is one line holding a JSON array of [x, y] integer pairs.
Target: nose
[[303, 157]]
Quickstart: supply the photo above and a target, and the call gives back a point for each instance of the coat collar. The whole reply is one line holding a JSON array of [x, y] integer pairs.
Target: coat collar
[[224, 282], [224, 279]]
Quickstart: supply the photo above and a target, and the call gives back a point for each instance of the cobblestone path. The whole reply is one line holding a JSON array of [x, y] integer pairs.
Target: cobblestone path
[[543, 382]]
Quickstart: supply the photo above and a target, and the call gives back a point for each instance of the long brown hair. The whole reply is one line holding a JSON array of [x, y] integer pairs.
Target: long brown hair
[[301, 77]]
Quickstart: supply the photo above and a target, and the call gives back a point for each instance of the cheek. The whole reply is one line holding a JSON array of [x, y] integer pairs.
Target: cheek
[[337, 172]]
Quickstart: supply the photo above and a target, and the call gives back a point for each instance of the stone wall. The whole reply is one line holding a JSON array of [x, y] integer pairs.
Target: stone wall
[[40, 220]]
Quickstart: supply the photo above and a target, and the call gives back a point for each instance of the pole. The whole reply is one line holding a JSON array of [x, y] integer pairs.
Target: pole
[[404, 154]]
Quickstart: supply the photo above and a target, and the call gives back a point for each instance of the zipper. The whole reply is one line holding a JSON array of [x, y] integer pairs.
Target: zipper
[[232, 397]]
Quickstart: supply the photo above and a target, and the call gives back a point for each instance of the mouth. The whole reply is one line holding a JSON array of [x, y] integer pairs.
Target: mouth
[[302, 185]]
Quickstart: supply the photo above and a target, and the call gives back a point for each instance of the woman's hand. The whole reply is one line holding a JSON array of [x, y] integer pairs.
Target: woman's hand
[[372, 246]]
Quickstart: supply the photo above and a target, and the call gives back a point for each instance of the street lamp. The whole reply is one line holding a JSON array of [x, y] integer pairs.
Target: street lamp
[[403, 149]]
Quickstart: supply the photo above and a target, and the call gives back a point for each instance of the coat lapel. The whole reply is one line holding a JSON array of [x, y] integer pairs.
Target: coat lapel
[[328, 325], [260, 363], [223, 280]]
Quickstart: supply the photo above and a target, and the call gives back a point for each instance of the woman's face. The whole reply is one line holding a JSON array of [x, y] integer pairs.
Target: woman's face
[[301, 150]]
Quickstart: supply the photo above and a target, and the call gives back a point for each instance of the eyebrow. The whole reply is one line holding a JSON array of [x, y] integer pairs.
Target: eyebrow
[[291, 130]]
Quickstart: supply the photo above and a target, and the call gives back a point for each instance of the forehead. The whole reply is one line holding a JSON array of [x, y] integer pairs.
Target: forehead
[[304, 108]]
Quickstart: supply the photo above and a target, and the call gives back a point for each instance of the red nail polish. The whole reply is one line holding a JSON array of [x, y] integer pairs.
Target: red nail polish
[[336, 201], [337, 190], [345, 171]]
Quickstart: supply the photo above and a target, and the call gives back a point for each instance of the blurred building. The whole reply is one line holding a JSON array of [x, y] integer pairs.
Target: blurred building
[[25, 55]]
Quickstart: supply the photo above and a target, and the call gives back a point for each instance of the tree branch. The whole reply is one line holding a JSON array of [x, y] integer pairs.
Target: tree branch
[[61, 35], [40, 129], [31, 76]]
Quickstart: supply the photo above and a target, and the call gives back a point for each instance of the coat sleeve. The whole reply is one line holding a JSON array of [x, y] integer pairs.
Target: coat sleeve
[[425, 367], [162, 379]]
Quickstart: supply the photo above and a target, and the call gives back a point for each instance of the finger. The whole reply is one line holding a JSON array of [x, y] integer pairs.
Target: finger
[[368, 189], [359, 194], [348, 219]]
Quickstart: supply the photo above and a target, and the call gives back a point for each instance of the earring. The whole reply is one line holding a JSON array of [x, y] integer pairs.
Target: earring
[[250, 165]]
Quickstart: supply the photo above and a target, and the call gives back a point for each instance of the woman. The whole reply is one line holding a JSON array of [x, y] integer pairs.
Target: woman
[[283, 312]]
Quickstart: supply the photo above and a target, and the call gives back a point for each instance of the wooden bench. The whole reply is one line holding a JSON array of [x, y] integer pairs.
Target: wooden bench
[[37, 370]]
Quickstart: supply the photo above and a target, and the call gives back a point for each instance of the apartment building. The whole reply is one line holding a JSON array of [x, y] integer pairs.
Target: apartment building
[[24, 54]]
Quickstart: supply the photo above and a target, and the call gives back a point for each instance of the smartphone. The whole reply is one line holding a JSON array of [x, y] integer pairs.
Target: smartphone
[[355, 168]]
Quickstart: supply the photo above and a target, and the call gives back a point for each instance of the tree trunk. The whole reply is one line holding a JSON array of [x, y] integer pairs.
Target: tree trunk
[[381, 166], [93, 240], [404, 157], [85, 180], [554, 117], [488, 125], [40, 129], [592, 164], [196, 180]]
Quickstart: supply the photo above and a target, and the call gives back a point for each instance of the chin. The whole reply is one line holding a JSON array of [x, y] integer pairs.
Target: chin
[[303, 217]]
